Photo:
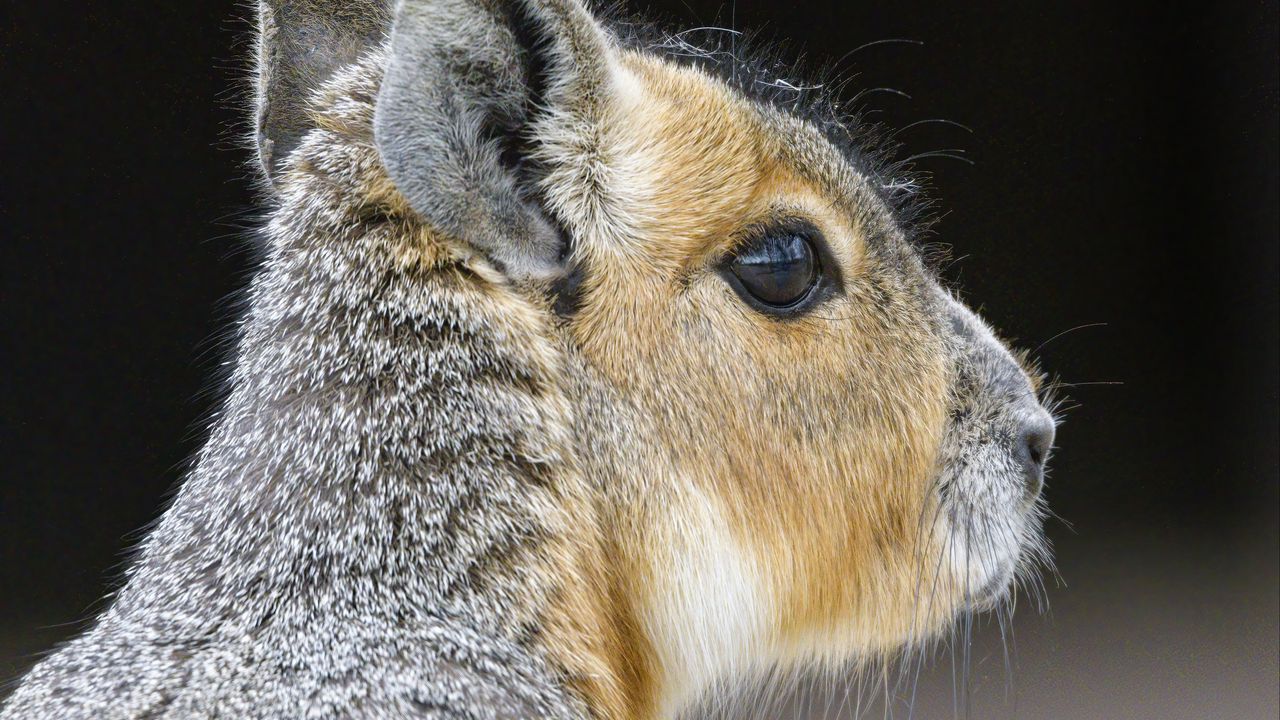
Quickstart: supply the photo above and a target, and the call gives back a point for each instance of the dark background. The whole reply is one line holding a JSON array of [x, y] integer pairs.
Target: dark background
[[1125, 173]]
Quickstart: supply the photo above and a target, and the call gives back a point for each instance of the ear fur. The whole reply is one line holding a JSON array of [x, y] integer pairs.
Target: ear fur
[[452, 116], [455, 89], [454, 109], [300, 44]]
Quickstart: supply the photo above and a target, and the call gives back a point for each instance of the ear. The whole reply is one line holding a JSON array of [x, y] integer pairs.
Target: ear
[[463, 81], [301, 43]]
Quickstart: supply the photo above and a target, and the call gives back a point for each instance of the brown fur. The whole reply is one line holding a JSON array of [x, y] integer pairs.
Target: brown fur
[[814, 439], [685, 489], [817, 437]]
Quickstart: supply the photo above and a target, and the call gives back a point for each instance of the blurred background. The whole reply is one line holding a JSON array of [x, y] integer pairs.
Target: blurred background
[[1120, 216]]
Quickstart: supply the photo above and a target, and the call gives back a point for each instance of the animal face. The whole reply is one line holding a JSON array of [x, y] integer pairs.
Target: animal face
[[799, 445], [835, 451]]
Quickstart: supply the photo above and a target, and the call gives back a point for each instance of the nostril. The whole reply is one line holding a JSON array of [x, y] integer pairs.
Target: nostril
[[1037, 448], [1036, 441]]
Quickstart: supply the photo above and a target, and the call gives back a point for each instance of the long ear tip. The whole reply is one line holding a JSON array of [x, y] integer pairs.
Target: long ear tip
[[266, 151], [528, 248], [300, 44], [541, 271]]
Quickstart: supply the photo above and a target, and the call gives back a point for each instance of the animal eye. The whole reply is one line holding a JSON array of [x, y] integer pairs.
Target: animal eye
[[778, 270]]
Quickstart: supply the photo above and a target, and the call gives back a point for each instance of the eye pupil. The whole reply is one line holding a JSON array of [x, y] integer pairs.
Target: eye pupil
[[779, 271]]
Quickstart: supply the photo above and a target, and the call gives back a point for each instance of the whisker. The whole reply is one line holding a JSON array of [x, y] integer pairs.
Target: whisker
[[949, 153], [917, 563], [930, 121], [869, 91], [937, 571], [1067, 332], [873, 43], [707, 28]]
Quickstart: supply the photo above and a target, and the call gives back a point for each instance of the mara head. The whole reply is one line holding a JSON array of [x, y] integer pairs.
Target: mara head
[[797, 444]]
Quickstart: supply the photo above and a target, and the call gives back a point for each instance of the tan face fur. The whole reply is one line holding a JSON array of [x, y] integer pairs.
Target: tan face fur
[[747, 491], [773, 497]]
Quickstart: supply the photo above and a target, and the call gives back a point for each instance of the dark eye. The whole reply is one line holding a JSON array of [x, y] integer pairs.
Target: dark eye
[[778, 270]]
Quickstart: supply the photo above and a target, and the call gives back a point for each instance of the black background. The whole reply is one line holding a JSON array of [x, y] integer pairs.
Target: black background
[[1125, 173]]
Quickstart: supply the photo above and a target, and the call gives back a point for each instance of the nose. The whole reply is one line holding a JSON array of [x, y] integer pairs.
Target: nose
[[1032, 450]]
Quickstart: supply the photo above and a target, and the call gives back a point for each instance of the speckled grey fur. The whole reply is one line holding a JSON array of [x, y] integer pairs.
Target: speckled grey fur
[[353, 539], [993, 408]]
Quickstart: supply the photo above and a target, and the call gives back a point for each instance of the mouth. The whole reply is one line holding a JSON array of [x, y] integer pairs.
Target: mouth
[[993, 590]]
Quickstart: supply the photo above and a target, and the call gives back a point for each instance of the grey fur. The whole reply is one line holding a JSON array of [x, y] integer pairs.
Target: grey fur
[[363, 533], [993, 405], [301, 43], [457, 73]]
